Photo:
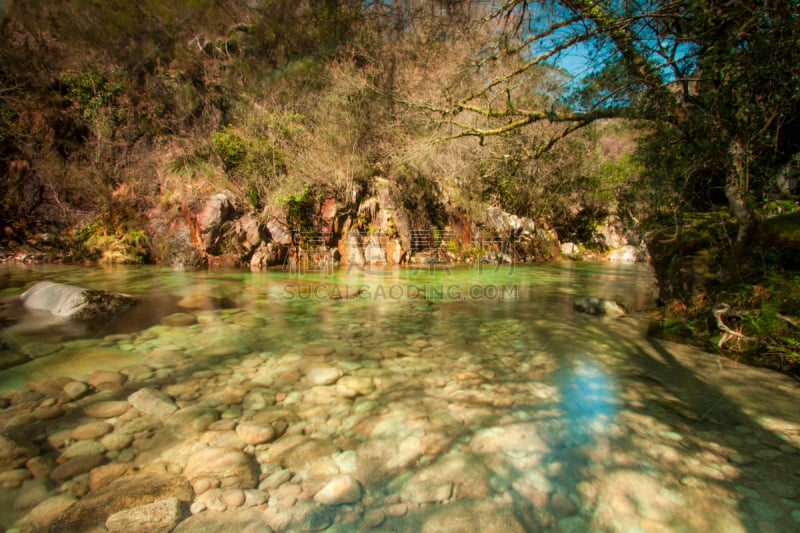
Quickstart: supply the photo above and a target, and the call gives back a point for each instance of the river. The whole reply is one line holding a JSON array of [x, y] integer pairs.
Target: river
[[376, 399]]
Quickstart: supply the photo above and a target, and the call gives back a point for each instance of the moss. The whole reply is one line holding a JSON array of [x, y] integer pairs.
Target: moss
[[783, 227]]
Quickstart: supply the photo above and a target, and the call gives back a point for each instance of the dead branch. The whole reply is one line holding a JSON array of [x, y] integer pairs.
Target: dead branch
[[787, 319], [724, 309]]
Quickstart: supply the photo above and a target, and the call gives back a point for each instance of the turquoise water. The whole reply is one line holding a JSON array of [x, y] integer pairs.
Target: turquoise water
[[482, 392]]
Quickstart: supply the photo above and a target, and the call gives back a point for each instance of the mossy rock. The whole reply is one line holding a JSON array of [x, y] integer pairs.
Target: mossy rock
[[687, 263]]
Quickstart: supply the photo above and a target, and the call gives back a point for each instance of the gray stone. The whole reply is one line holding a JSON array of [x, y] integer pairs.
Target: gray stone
[[159, 516], [314, 518], [597, 306], [68, 301]]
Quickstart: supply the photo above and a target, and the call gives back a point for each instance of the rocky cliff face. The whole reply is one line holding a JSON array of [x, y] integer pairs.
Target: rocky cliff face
[[379, 232]]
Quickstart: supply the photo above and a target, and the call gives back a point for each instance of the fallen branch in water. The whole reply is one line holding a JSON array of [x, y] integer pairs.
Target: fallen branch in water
[[724, 309]]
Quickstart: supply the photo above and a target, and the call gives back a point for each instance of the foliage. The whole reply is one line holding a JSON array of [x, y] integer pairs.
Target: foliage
[[230, 147], [122, 246]]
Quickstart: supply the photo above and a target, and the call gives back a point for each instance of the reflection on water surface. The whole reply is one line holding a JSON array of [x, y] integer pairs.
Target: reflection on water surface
[[361, 402]]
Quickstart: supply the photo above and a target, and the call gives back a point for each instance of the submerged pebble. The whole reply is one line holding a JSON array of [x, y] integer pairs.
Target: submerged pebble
[[412, 416]]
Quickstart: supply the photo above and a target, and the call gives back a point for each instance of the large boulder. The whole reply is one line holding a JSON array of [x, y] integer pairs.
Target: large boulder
[[278, 232], [215, 213], [268, 254], [570, 248], [351, 248], [531, 240], [374, 254], [250, 232], [127, 492], [174, 239], [628, 254], [69, 301]]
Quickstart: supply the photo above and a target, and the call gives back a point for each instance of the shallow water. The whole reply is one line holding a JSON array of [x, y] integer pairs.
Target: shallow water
[[484, 401]]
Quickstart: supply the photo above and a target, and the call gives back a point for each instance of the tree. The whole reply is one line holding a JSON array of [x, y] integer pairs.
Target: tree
[[727, 73]]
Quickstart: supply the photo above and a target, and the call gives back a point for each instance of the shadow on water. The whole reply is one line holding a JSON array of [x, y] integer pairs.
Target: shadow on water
[[566, 422], [725, 451]]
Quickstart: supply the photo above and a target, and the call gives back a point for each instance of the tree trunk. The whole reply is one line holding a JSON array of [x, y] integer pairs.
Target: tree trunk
[[736, 189]]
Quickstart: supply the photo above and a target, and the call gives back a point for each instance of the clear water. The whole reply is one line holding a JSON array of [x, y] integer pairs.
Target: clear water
[[491, 396]]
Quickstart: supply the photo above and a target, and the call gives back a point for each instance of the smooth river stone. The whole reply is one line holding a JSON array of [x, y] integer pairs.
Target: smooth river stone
[[255, 433], [339, 490], [323, 375], [352, 386], [127, 492], [152, 402], [106, 380], [76, 389], [107, 409], [13, 478], [116, 441], [91, 431], [232, 468], [179, 320], [192, 421], [104, 475], [51, 387], [81, 448], [75, 467], [14, 454], [48, 511], [161, 515]]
